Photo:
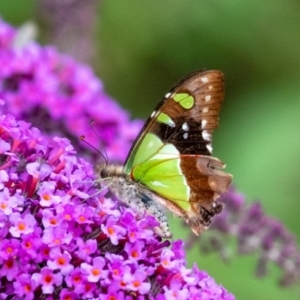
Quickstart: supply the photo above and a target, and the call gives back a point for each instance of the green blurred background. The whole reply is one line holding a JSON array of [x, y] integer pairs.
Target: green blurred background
[[144, 47]]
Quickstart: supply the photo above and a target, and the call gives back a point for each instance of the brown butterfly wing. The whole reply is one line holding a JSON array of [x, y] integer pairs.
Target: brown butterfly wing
[[207, 89], [207, 182]]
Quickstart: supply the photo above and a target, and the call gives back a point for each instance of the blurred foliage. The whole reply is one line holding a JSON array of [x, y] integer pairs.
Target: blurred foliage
[[146, 46]]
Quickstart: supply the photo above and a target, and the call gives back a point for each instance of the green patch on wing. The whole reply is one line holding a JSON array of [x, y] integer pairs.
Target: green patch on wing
[[164, 118], [185, 100], [157, 165]]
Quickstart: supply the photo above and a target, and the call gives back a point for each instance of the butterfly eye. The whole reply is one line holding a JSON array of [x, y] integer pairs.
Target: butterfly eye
[[103, 171]]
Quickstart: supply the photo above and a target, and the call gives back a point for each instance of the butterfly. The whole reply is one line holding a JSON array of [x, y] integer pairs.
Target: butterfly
[[170, 163]]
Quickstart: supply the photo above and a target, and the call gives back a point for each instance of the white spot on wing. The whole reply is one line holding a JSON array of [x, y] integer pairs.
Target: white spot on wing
[[210, 87], [185, 135], [204, 79], [206, 136], [153, 114], [168, 95], [207, 98], [185, 126], [205, 110], [203, 123], [209, 148]]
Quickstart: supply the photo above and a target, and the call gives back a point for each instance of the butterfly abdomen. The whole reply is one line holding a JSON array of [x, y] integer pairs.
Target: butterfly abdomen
[[135, 196]]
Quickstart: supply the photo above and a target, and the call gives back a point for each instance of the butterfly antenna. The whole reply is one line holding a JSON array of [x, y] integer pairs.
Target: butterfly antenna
[[82, 138], [101, 142]]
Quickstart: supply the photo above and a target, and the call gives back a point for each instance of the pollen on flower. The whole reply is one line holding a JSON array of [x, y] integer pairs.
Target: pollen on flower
[[82, 218], [165, 262], [9, 250], [46, 197], [3, 205], [110, 230], [67, 216], [57, 241], [96, 272], [53, 221], [134, 254], [136, 283], [132, 234], [116, 272], [21, 226], [61, 261]]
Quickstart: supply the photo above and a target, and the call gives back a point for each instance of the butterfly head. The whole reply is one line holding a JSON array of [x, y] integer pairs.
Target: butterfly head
[[109, 170]]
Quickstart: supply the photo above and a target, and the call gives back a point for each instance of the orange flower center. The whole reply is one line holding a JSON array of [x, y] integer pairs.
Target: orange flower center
[[21, 226], [46, 197], [57, 241], [53, 221], [134, 254], [81, 218], [136, 284], [96, 272], [9, 250], [67, 216], [61, 261], [110, 230], [116, 272], [3, 205]]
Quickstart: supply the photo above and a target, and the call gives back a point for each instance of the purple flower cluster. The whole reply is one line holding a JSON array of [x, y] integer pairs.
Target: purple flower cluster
[[60, 97], [256, 232], [60, 241]]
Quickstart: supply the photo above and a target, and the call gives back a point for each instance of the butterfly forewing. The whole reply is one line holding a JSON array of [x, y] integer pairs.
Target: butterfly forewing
[[188, 125]]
